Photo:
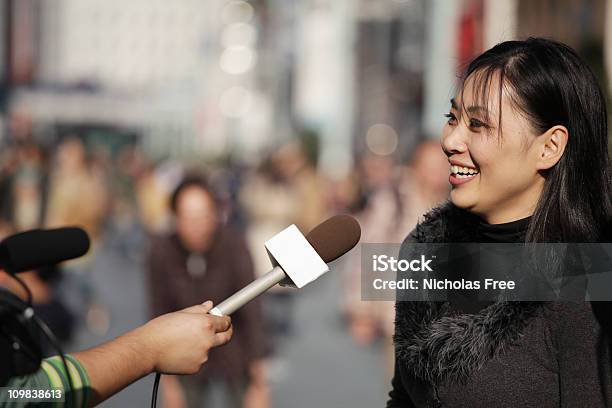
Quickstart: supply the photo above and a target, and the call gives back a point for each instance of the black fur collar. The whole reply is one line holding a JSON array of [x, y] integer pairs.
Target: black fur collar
[[446, 223], [440, 345]]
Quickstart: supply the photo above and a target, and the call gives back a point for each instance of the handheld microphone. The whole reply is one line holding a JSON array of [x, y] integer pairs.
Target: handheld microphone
[[326, 242], [299, 260], [37, 248]]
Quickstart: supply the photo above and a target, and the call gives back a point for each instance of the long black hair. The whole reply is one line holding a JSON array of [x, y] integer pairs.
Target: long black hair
[[550, 85]]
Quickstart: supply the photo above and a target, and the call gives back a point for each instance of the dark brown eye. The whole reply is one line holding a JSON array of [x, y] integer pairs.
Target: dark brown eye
[[452, 119], [476, 124]]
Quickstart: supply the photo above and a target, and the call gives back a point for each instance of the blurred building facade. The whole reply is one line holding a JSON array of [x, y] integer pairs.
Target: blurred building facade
[[233, 77]]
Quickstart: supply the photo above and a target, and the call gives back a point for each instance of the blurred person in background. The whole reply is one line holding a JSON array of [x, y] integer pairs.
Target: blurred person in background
[[79, 196], [152, 198], [377, 210], [127, 229], [25, 201], [423, 184], [23, 178], [227, 179], [286, 189], [299, 172], [8, 164], [154, 187], [271, 205], [420, 185], [76, 195], [344, 194], [205, 259]]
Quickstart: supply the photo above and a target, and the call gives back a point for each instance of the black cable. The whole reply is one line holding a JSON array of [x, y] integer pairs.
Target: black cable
[[29, 314], [25, 287], [155, 389], [53, 340]]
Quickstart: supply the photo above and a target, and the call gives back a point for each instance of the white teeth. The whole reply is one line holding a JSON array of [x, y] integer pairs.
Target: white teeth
[[467, 171]]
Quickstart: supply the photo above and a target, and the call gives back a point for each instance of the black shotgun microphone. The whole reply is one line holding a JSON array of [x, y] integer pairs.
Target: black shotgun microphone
[[21, 329], [37, 248]]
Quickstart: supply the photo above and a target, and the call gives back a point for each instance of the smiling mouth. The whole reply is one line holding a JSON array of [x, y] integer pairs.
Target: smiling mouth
[[463, 172]]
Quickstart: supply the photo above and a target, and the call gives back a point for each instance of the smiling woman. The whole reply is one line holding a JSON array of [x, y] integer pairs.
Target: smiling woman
[[473, 139], [530, 123], [526, 140]]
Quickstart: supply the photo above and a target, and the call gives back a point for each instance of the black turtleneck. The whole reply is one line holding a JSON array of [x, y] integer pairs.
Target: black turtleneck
[[513, 231], [489, 260]]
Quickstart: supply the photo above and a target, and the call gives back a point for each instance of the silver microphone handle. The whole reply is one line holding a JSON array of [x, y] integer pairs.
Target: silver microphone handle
[[249, 292]]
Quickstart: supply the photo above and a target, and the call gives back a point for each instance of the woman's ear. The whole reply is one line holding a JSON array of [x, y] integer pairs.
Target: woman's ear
[[551, 146]]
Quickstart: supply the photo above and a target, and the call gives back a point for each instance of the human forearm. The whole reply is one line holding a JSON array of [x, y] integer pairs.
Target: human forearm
[[175, 343], [115, 365]]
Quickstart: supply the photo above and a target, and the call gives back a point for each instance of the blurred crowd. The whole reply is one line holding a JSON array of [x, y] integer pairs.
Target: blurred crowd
[[198, 232]]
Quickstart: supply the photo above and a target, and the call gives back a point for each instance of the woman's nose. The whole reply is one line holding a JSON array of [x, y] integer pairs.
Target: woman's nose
[[455, 141]]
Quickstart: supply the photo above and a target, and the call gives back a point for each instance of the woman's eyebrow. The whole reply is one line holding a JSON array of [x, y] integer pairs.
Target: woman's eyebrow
[[474, 108], [470, 109]]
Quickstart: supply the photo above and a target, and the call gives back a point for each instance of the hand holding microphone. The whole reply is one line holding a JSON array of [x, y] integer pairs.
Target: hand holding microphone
[[174, 343], [299, 260], [179, 342]]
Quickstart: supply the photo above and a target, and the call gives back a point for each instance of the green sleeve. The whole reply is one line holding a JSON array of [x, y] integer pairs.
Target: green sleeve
[[52, 374]]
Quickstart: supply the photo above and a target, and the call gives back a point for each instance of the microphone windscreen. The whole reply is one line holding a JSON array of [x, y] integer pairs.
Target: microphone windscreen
[[335, 236], [37, 248]]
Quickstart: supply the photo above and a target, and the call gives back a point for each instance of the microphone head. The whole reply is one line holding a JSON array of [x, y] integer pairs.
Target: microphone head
[[334, 237], [37, 248]]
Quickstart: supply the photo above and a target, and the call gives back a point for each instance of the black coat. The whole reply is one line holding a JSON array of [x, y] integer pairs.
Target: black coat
[[510, 354]]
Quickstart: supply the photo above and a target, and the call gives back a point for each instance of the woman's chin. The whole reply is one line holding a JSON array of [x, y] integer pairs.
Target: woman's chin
[[462, 200]]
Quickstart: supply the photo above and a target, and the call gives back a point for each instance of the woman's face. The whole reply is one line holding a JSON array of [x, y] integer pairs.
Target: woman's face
[[495, 178]]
